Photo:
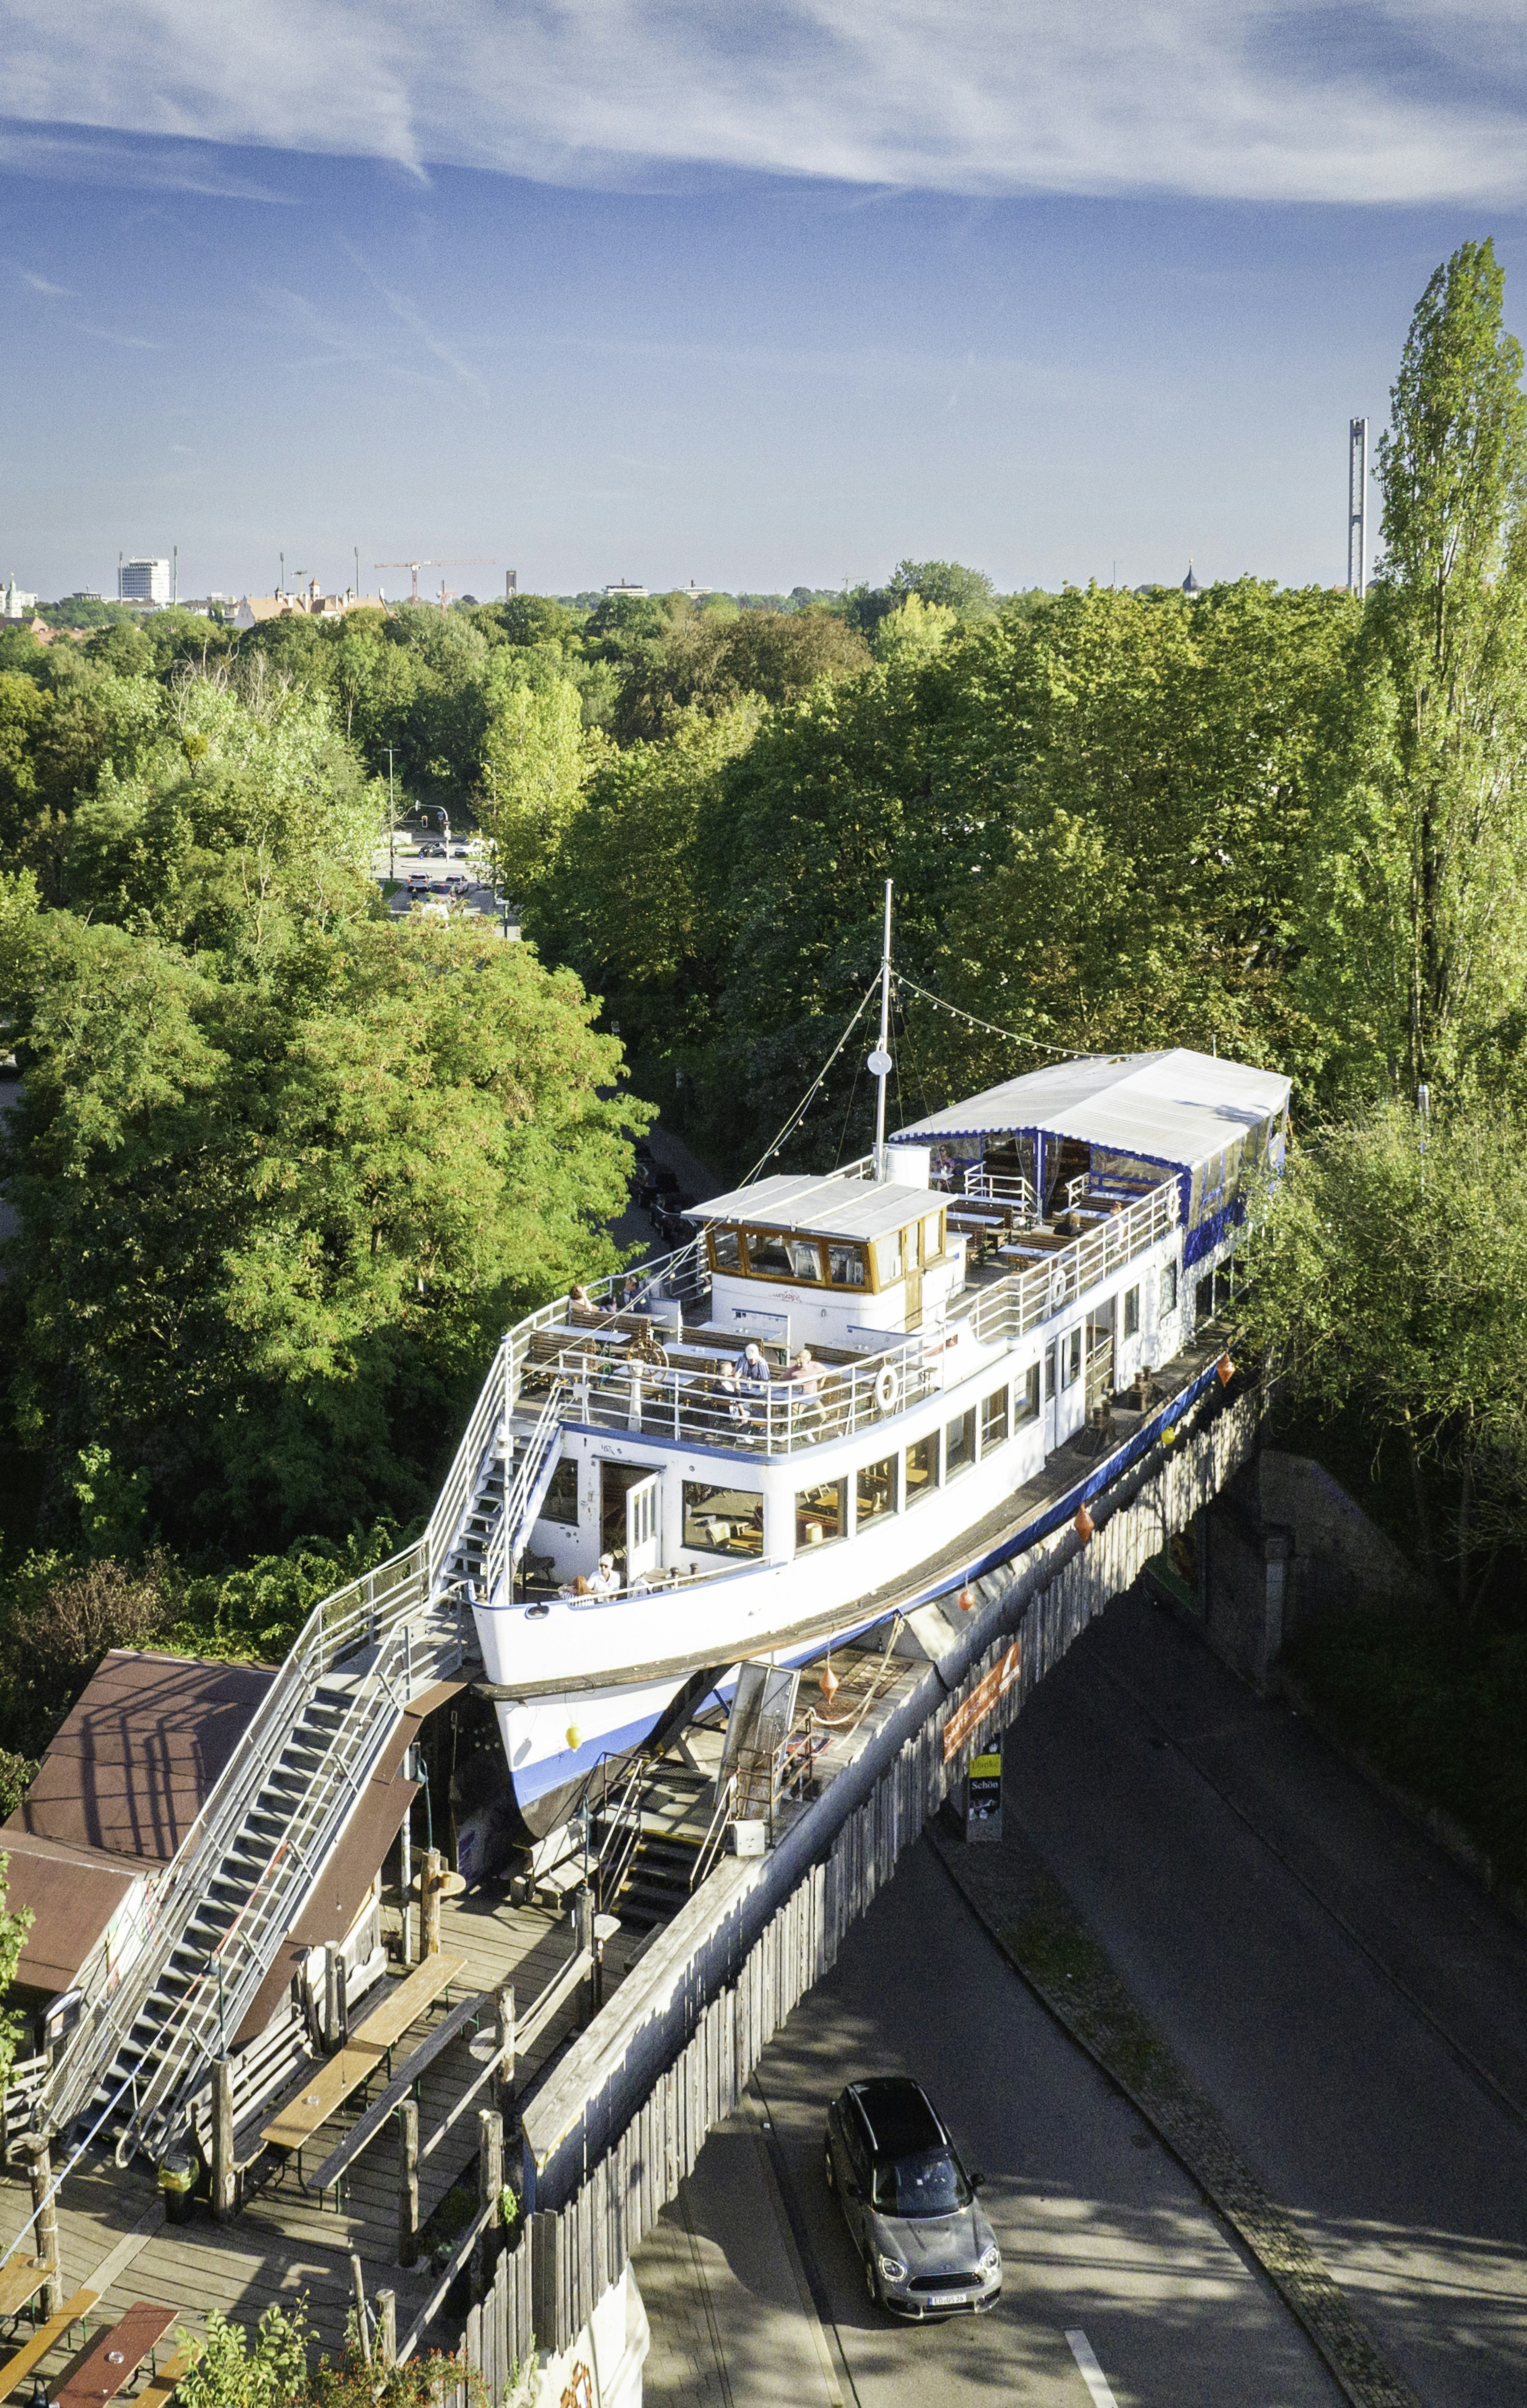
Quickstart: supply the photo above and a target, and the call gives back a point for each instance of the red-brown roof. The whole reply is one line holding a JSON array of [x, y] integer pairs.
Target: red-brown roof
[[132, 1765]]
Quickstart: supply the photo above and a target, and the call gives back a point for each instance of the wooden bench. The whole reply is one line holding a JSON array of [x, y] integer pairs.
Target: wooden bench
[[109, 2365], [19, 2283], [158, 2392], [37, 2344], [369, 2046]]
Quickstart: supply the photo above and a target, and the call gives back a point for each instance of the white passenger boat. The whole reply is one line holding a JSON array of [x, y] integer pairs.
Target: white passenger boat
[[928, 1327]]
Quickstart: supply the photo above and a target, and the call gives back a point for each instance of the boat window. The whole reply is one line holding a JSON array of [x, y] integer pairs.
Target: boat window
[[724, 1521], [994, 1419], [1071, 1356], [768, 1254], [1049, 1373], [1168, 1291], [846, 1266], [562, 1497], [1132, 1311], [960, 1445], [876, 1489], [804, 1259], [724, 1255], [821, 1514], [932, 1237], [1026, 1395], [921, 1471], [888, 1258]]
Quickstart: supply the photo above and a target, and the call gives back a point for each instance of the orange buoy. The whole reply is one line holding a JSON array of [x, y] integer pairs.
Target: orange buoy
[[828, 1683], [1085, 1523], [967, 1599]]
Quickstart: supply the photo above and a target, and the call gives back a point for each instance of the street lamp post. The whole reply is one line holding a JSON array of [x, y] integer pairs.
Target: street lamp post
[[392, 817]]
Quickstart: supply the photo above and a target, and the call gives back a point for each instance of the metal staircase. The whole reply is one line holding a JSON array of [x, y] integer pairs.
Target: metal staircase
[[156, 2014]]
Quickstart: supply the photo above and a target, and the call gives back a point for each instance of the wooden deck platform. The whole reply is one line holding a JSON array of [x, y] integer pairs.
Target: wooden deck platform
[[285, 2243]]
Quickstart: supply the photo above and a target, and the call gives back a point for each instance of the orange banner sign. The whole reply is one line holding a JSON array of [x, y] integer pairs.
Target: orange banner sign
[[983, 1697]]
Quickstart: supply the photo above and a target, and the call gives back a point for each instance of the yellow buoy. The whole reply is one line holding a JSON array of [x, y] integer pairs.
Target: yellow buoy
[[575, 1737]]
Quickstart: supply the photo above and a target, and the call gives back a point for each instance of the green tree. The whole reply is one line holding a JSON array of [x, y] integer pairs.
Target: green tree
[[1391, 1275], [1444, 769], [13, 1931], [536, 762]]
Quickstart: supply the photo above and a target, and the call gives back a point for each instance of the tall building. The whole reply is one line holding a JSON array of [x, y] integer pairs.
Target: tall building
[[144, 581], [14, 604]]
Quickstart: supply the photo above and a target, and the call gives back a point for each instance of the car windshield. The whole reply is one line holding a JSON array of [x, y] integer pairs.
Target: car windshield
[[926, 2181]]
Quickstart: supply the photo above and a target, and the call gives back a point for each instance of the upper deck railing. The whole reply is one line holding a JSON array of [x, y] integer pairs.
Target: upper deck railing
[[690, 1400]]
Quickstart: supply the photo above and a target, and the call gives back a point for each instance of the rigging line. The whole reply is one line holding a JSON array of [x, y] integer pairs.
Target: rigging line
[[1065, 1053]]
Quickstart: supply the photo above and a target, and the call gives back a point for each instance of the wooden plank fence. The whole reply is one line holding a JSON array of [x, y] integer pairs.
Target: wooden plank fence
[[544, 2290]]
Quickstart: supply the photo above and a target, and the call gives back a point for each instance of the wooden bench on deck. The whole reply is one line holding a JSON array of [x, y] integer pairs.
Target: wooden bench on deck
[[19, 2283], [37, 2344], [369, 2046], [114, 2357]]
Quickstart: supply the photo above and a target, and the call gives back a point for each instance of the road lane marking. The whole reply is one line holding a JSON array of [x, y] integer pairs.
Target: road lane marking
[[1092, 2373]]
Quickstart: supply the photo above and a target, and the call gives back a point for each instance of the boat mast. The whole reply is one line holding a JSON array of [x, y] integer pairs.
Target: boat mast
[[880, 1061]]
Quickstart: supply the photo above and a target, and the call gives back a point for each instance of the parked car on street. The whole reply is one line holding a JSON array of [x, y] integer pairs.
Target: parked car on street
[[908, 2204], [418, 878]]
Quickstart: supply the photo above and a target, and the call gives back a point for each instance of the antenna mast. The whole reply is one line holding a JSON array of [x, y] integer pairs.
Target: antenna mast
[[880, 1061], [1357, 507]]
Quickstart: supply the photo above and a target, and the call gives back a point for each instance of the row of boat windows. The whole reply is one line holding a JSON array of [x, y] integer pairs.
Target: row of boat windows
[[895, 1484], [827, 1262]]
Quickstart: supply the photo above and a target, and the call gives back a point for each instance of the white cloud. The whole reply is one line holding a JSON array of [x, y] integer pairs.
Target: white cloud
[[1367, 101]]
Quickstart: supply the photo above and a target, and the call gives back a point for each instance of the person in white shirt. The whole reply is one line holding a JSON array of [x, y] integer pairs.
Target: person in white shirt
[[606, 1580]]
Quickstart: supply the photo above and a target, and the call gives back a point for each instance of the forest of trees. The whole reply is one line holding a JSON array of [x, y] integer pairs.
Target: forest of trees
[[281, 1171]]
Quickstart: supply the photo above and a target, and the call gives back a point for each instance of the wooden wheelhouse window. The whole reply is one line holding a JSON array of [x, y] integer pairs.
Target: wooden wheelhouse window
[[772, 1255], [933, 1239], [725, 1254], [845, 1265], [890, 1258]]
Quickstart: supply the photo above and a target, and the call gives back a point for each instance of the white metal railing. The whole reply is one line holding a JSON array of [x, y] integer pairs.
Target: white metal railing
[[609, 1389], [999, 1187]]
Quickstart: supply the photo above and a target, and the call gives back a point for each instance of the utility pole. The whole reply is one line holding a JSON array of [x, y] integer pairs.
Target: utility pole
[[1357, 507], [880, 1061], [283, 572], [392, 821], [174, 573], [357, 548]]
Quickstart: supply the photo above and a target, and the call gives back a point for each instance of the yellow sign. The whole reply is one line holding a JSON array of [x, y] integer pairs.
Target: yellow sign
[[985, 1768]]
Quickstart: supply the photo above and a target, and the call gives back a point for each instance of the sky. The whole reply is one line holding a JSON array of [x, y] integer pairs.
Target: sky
[[679, 290]]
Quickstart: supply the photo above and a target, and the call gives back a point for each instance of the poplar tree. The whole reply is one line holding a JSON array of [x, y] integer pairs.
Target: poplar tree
[[1450, 622]]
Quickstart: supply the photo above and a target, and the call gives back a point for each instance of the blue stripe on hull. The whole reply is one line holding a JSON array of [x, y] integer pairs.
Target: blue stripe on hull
[[534, 1781]]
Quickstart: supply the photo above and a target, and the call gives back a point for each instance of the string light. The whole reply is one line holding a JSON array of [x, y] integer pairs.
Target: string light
[[1064, 1053]]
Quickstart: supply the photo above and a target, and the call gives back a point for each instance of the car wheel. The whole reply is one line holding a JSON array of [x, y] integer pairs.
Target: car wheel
[[827, 2174], [872, 2284]]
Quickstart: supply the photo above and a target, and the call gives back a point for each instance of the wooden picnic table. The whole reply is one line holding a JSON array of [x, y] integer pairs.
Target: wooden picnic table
[[369, 2046], [20, 2281], [115, 2357], [37, 2344]]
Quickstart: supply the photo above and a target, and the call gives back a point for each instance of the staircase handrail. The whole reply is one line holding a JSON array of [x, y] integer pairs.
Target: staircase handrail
[[365, 1610], [626, 1820], [710, 1847], [502, 1552]]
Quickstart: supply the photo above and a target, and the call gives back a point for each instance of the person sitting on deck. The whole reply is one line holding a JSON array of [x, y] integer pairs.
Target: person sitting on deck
[[805, 1376], [752, 1370], [731, 1397], [606, 1580]]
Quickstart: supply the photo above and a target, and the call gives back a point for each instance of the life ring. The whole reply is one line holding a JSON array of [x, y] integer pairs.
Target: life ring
[[1057, 1287], [887, 1387]]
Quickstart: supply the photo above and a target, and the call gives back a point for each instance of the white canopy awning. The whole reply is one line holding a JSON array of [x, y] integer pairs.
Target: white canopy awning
[[819, 1208], [1176, 1107]]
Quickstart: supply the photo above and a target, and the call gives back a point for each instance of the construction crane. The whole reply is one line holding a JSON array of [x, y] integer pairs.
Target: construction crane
[[413, 566]]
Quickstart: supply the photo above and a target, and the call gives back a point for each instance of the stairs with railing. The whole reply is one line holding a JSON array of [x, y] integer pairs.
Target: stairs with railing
[[155, 2019]]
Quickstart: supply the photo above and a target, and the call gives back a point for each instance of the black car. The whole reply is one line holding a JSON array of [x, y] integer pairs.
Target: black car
[[908, 2202]]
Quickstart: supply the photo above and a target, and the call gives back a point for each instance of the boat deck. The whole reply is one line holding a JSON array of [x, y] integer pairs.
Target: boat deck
[[285, 2243]]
